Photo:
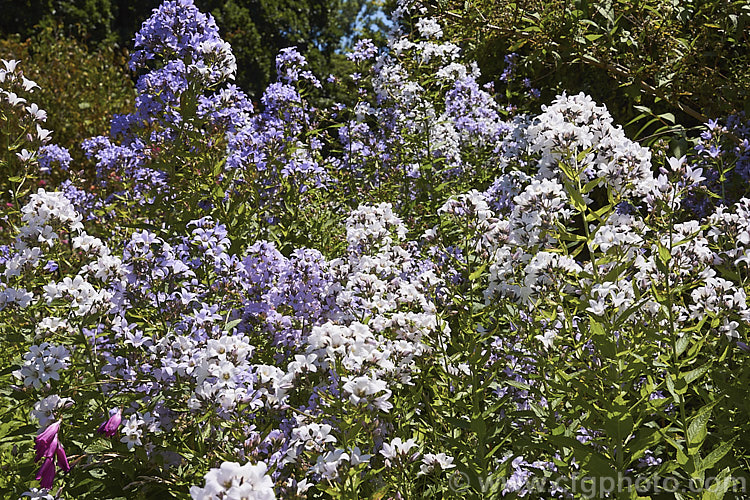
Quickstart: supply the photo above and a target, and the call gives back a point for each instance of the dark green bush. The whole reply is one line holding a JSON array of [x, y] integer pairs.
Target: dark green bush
[[80, 88], [680, 61]]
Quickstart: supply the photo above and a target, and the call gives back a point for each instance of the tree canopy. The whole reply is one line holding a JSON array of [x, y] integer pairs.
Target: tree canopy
[[256, 29]]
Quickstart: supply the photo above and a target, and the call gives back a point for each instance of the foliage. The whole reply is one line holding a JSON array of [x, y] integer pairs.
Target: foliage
[[676, 59], [86, 87]]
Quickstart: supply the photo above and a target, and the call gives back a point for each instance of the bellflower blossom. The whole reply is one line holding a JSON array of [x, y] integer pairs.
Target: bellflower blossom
[[49, 448], [110, 426], [178, 30]]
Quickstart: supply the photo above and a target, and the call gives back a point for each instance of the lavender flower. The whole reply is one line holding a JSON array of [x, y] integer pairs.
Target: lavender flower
[[45, 439], [46, 474], [51, 154], [362, 51], [177, 30]]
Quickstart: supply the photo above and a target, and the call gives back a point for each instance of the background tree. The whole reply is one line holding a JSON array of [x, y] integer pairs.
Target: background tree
[[256, 29], [80, 87], [653, 62]]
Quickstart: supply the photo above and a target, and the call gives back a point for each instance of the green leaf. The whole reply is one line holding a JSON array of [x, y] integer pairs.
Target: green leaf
[[583, 154], [682, 344], [671, 388], [586, 455], [596, 328], [716, 454], [664, 255], [188, 104], [228, 327], [682, 459], [476, 274], [479, 426], [693, 375], [668, 117], [644, 441], [577, 198], [720, 486], [591, 184], [518, 385], [459, 423], [696, 432]]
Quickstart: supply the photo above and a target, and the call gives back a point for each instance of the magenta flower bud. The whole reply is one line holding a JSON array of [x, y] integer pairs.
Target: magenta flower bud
[[62, 458], [46, 474], [109, 428], [46, 442], [49, 433], [39, 452], [46, 450]]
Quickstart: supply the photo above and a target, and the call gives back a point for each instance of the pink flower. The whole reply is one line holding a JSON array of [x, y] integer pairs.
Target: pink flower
[[49, 433], [47, 445], [46, 474], [46, 450], [109, 428], [62, 458], [46, 442]]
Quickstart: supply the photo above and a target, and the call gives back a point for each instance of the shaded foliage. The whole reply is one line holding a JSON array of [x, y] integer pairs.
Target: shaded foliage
[[679, 61], [85, 86]]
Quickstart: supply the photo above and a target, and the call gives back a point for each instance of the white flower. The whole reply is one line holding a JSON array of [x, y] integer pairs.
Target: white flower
[[132, 439], [232, 481], [361, 387], [37, 114], [26, 156], [356, 456], [314, 436], [303, 363], [132, 432], [37, 494], [29, 85], [52, 324], [327, 465], [431, 461], [729, 328], [42, 364], [597, 307], [429, 28], [10, 65], [547, 339], [13, 99], [397, 448], [42, 133]]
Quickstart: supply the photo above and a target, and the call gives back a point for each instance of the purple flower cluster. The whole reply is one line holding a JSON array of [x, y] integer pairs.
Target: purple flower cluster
[[52, 154], [723, 156], [511, 60], [178, 31], [474, 112], [274, 142], [363, 50]]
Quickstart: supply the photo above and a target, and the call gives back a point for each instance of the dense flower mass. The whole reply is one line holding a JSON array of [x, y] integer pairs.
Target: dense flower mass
[[410, 295], [232, 480], [178, 31]]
